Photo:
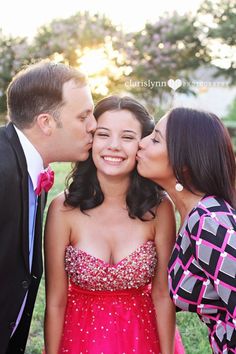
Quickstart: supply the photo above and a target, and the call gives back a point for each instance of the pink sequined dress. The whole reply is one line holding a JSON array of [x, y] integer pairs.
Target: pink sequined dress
[[109, 308]]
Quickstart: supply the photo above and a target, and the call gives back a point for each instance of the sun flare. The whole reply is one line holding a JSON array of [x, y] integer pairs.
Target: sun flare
[[93, 61], [100, 64]]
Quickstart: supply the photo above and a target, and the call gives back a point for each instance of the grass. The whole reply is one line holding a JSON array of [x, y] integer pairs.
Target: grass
[[35, 341], [193, 332]]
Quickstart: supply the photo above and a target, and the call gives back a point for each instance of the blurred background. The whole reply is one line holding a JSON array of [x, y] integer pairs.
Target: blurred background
[[169, 53], [130, 48]]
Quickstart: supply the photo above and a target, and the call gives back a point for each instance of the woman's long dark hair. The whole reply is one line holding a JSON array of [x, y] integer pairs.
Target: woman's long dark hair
[[83, 188], [201, 153]]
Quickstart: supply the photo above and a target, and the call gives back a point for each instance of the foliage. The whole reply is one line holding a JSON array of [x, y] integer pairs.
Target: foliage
[[168, 49], [69, 40], [70, 35], [219, 21], [230, 122], [14, 53], [231, 115], [141, 63]]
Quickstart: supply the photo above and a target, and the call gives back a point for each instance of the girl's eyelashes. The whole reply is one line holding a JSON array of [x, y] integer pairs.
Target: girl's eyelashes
[[107, 135], [128, 137], [102, 134]]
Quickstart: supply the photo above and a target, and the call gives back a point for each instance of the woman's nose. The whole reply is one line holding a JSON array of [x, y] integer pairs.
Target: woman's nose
[[143, 142]]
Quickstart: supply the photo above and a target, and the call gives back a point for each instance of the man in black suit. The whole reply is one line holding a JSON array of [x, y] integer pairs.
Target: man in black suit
[[50, 109]]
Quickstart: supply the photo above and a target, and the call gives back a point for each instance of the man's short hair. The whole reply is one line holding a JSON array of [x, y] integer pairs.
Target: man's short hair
[[38, 89]]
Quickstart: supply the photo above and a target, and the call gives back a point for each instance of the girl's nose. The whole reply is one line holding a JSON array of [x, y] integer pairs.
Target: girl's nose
[[114, 144]]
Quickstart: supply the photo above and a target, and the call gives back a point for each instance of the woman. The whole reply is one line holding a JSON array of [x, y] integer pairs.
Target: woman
[[111, 227], [190, 155]]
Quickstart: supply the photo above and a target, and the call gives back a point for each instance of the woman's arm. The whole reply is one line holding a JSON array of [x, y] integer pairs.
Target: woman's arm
[[213, 240], [57, 233], [165, 309]]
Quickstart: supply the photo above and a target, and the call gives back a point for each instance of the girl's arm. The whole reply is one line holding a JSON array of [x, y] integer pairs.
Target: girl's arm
[[57, 233], [165, 309]]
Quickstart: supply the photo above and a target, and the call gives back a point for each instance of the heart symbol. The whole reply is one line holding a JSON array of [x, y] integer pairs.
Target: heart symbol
[[174, 84]]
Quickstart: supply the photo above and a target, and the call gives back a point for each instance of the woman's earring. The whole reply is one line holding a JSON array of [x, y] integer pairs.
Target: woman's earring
[[178, 187]]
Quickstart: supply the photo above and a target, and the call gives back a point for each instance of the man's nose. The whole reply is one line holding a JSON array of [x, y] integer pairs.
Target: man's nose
[[92, 125]]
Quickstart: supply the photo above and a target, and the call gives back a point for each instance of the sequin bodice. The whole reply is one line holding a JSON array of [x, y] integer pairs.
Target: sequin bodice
[[91, 273]]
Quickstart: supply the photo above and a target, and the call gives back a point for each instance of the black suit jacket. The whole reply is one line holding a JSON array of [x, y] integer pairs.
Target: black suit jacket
[[15, 277]]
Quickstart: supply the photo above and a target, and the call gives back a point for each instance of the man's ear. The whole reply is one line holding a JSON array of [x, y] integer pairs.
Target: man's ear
[[46, 123]]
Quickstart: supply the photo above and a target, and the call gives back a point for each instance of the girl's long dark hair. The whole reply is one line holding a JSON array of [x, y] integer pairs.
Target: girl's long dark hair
[[83, 188], [201, 153]]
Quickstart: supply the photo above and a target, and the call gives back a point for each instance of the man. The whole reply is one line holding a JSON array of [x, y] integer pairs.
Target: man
[[50, 109]]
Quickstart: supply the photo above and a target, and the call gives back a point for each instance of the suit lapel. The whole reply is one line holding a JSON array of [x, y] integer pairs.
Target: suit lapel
[[24, 193]]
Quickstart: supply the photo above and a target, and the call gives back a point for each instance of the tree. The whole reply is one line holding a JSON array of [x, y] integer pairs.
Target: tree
[[219, 21], [66, 36], [14, 52], [171, 48], [231, 115], [84, 36], [79, 40]]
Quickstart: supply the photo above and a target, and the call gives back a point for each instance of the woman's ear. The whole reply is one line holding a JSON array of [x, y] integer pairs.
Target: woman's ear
[[46, 123]]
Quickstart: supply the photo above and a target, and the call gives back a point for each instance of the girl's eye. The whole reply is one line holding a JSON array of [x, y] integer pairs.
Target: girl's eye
[[155, 141], [128, 137], [102, 134]]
